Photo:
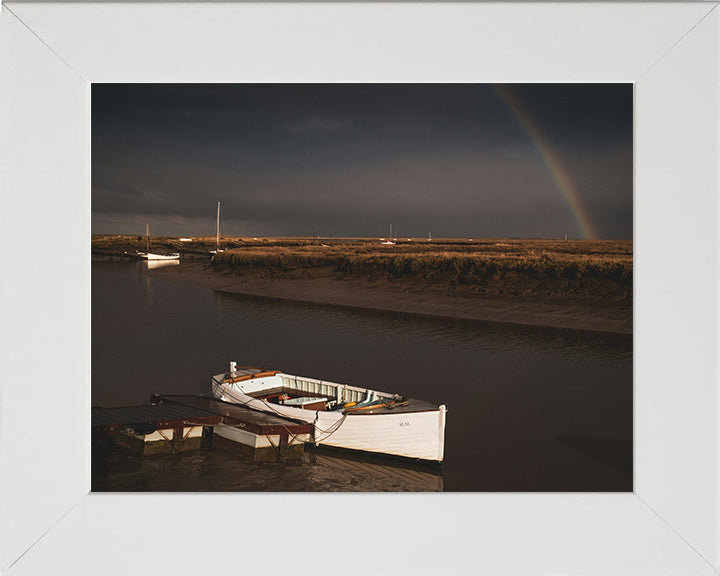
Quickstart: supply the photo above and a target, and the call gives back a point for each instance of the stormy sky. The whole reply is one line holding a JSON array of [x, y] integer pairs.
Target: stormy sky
[[454, 160]]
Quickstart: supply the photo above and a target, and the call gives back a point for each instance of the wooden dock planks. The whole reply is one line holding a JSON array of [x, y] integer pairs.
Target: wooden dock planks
[[251, 420], [174, 411]]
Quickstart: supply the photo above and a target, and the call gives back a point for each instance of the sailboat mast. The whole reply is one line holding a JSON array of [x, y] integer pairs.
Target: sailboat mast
[[217, 229], [391, 236], [147, 238]]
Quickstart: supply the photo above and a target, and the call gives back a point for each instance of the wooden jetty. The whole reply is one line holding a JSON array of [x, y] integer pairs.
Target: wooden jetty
[[176, 423]]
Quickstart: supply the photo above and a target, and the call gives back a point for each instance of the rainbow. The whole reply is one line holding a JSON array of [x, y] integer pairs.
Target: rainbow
[[551, 161]]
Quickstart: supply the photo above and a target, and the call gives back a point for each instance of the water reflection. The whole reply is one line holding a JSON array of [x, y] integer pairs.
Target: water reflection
[[150, 264], [143, 268], [355, 472], [118, 470]]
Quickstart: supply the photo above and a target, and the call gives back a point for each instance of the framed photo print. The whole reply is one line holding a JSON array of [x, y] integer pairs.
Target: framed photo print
[[307, 256]]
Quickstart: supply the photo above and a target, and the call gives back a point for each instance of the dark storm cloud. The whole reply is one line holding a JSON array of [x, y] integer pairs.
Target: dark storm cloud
[[317, 124], [348, 160]]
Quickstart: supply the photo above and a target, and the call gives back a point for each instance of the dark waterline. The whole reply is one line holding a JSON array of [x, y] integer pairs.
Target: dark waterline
[[529, 409]]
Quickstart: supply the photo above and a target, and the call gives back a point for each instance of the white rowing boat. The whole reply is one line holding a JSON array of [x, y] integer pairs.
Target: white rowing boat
[[343, 416]]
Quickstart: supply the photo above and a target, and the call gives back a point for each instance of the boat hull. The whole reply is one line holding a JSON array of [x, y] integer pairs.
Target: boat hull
[[418, 435], [151, 256]]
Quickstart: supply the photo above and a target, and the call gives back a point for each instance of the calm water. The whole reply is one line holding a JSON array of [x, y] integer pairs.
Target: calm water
[[529, 409]]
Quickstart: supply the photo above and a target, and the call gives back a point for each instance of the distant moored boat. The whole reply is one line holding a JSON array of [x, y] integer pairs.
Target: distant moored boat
[[390, 240], [217, 234], [147, 255]]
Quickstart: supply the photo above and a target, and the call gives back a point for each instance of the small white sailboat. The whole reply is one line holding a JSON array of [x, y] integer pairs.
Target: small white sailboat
[[217, 233], [389, 241], [342, 416], [147, 255]]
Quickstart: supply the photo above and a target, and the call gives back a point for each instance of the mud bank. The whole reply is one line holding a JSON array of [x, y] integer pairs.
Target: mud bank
[[568, 313]]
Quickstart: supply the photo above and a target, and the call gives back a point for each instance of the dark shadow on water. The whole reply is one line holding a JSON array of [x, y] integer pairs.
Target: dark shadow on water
[[469, 332], [613, 451]]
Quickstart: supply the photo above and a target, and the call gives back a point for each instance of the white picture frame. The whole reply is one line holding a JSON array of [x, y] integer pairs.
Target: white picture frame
[[50, 523]]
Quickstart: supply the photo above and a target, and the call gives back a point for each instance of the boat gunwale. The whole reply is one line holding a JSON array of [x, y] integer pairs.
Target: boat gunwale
[[379, 411], [226, 377]]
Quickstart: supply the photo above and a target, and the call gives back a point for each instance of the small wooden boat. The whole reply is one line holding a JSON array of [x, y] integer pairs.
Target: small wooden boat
[[343, 416], [147, 255]]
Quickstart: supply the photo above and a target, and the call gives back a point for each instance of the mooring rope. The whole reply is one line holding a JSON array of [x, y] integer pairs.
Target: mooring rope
[[329, 432]]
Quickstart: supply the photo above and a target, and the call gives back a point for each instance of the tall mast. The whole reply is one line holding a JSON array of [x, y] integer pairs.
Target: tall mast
[[391, 236], [217, 229], [147, 238]]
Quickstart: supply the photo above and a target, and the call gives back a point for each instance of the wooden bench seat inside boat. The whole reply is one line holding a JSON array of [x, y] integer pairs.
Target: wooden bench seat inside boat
[[280, 393], [273, 395], [280, 390]]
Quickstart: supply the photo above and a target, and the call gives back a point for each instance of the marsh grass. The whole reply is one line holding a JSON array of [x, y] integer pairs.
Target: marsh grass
[[587, 269], [578, 268]]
